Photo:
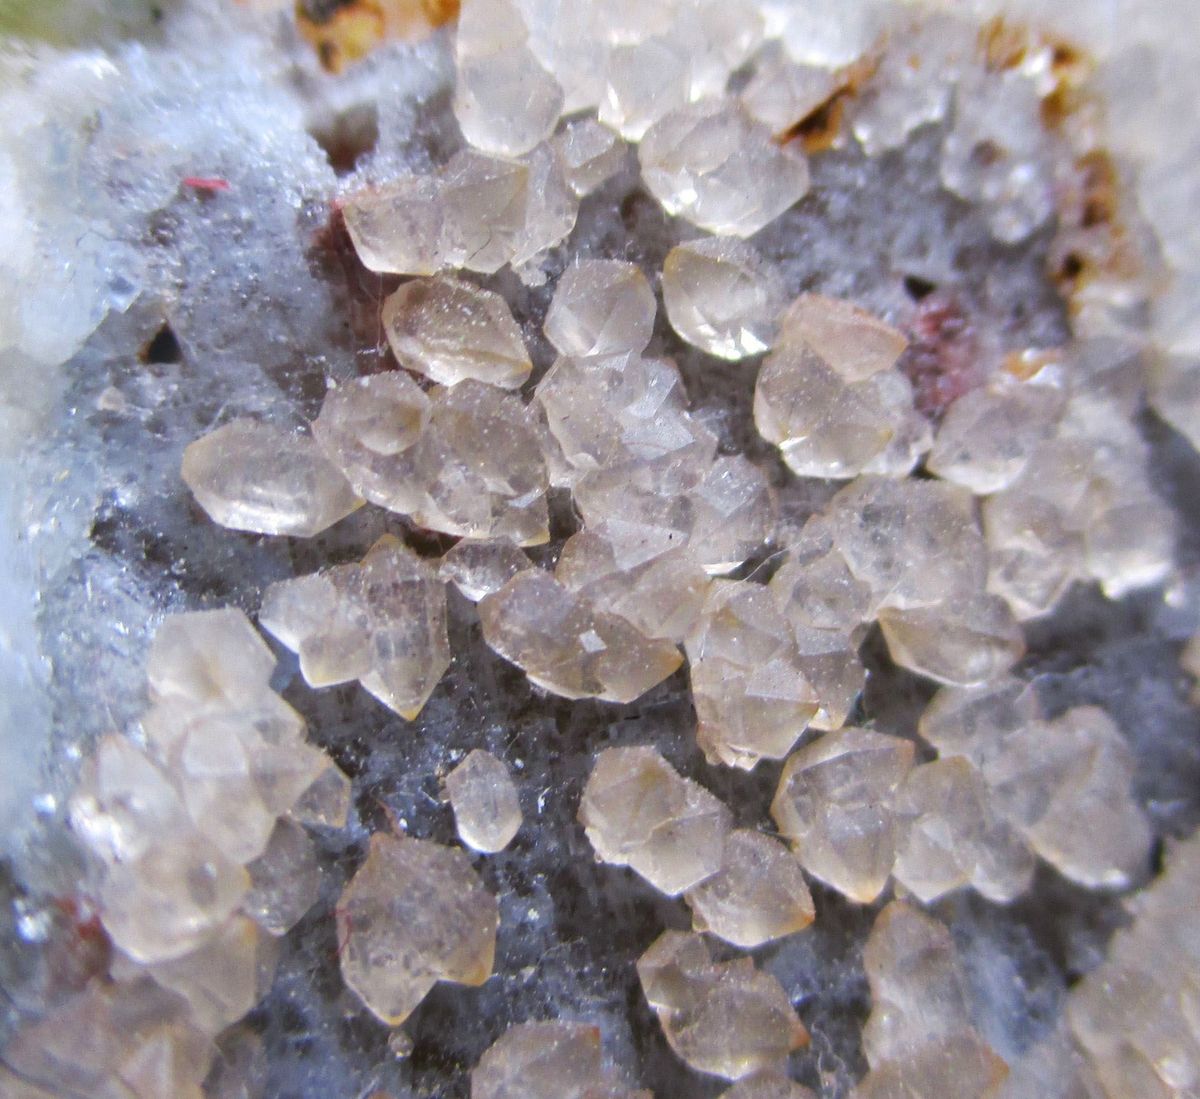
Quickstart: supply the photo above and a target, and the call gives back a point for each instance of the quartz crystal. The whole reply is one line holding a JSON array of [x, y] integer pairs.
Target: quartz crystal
[[721, 297], [478, 567], [974, 640], [919, 1040], [1063, 784], [781, 93], [414, 913], [601, 307], [381, 621], [505, 102], [484, 799], [398, 228], [836, 803], [758, 895], [253, 476], [639, 812], [988, 435], [733, 513], [725, 1019], [662, 596], [830, 399], [588, 153], [713, 165], [953, 837], [465, 461], [450, 331], [558, 1060], [767, 1086], [284, 879], [570, 647], [326, 802], [752, 699]]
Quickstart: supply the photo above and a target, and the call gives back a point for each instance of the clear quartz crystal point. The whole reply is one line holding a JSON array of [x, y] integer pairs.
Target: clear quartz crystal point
[[414, 913], [726, 1019], [450, 331], [645, 81], [721, 297], [484, 799], [478, 567], [256, 477], [588, 153], [601, 307], [713, 165], [568, 646], [758, 895], [836, 803], [639, 812]]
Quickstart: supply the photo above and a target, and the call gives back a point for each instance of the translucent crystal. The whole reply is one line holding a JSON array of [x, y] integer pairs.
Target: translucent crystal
[[752, 700], [478, 567], [721, 297], [952, 837], [588, 153], [571, 41], [326, 802], [284, 880], [639, 812], [558, 1060], [960, 1065], [781, 93], [505, 102], [484, 202], [661, 596], [767, 1086], [253, 476], [733, 514], [815, 587], [836, 804], [853, 343], [398, 228], [826, 426], [381, 621], [725, 1019], [484, 800], [568, 646], [713, 165], [829, 661], [450, 331], [209, 657], [718, 39], [962, 642], [644, 82], [551, 209], [601, 307], [414, 913], [988, 435], [827, 32], [758, 895]]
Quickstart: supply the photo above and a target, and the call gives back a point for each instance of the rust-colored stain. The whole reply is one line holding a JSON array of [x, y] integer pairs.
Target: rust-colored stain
[[343, 31], [821, 128]]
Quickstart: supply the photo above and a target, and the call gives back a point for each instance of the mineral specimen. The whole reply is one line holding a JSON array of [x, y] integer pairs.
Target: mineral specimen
[[284, 879], [570, 647], [484, 799], [726, 1019], [639, 812], [450, 331], [767, 1086], [588, 154], [854, 344], [601, 307], [721, 297], [251, 476], [478, 567], [837, 804], [758, 895], [414, 913], [381, 621], [645, 81]]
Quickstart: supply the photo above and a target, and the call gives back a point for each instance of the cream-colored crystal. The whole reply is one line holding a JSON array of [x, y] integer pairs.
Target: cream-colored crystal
[[478, 567], [781, 93], [752, 699], [484, 799], [767, 1086], [722, 297], [836, 803], [257, 477], [326, 802], [639, 812], [661, 596], [733, 512], [854, 344], [284, 879], [815, 586], [952, 836], [398, 228], [713, 165], [758, 895], [961, 642], [485, 207], [414, 913], [725, 1019], [570, 647], [381, 621], [450, 331], [644, 82], [601, 307], [589, 154]]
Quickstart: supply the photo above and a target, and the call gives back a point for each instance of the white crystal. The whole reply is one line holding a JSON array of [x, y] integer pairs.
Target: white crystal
[[484, 799], [601, 307], [479, 567], [644, 82], [588, 153]]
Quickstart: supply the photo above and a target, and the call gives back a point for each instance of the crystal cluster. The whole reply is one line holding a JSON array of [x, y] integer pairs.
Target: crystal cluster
[[202, 862], [726, 1019], [559, 1060]]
